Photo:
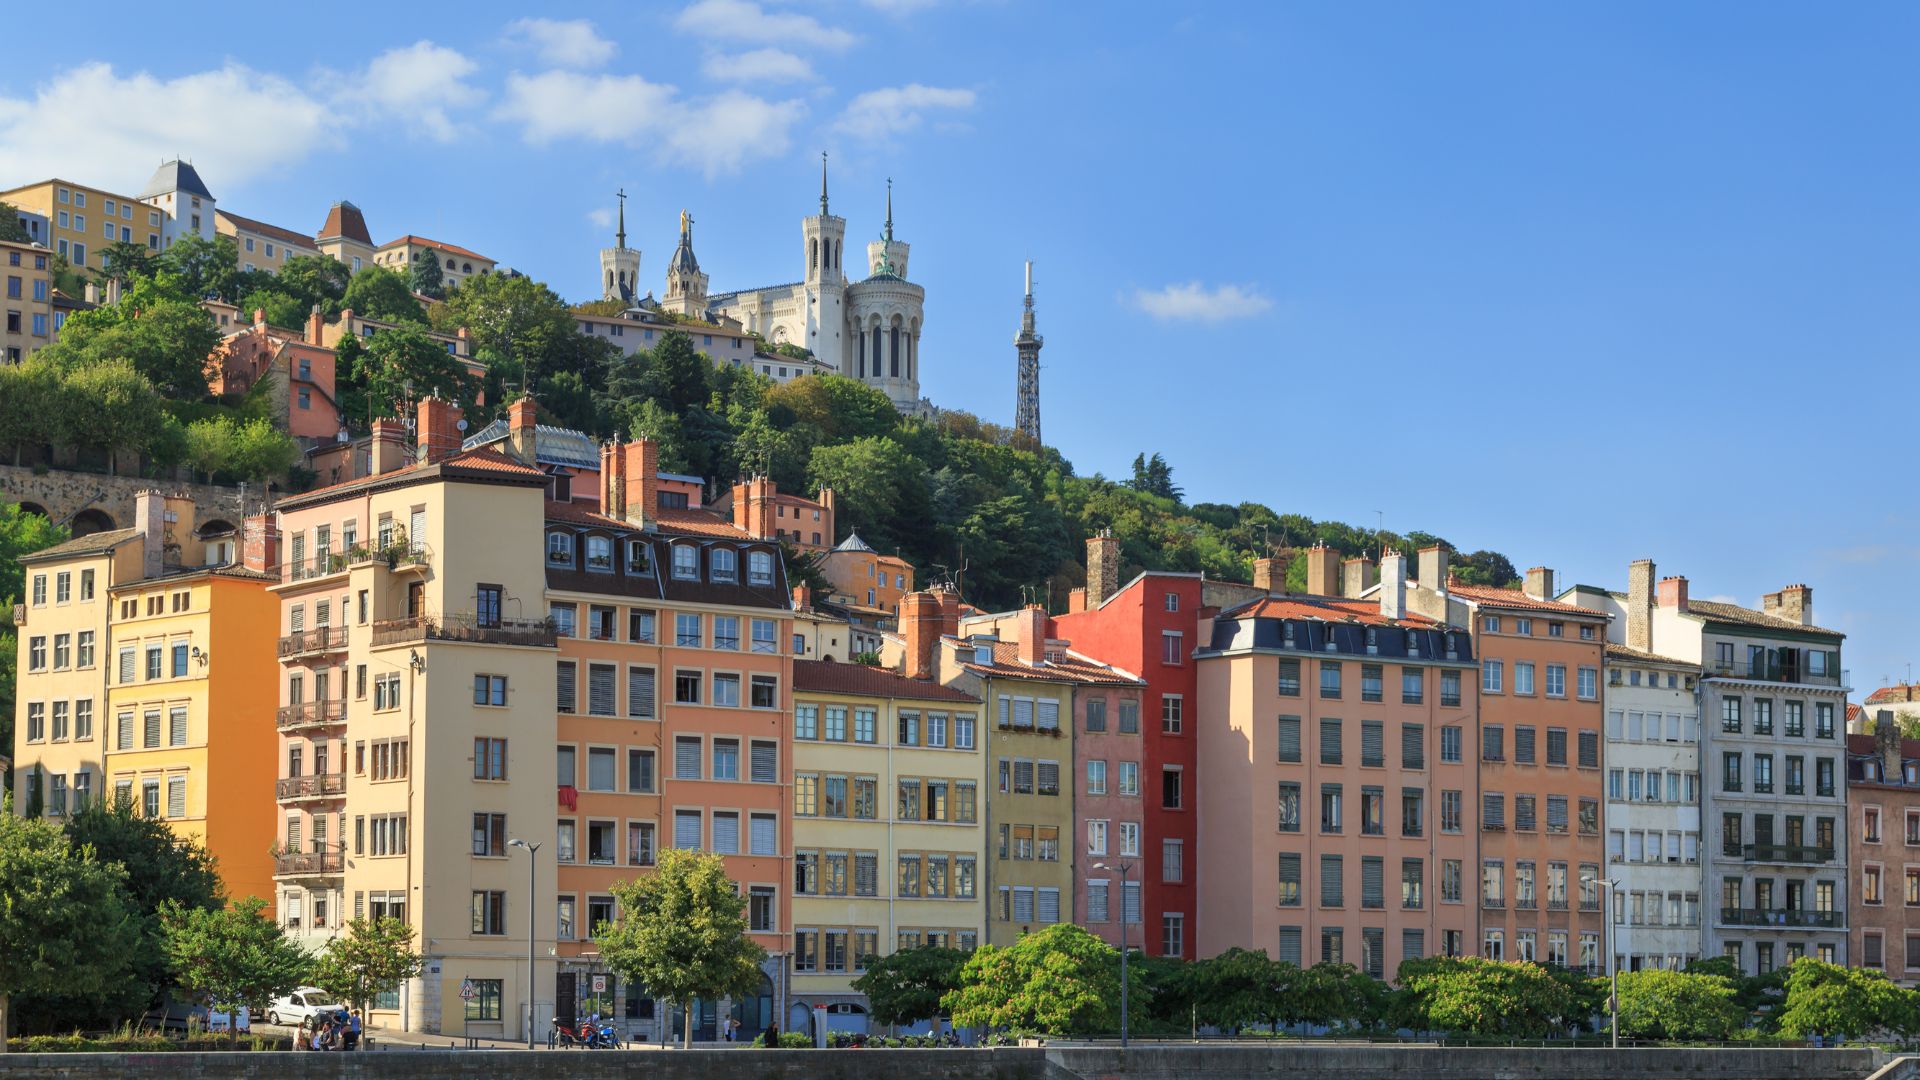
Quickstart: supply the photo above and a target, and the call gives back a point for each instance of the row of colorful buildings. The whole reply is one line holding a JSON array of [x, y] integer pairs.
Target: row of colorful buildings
[[493, 674]]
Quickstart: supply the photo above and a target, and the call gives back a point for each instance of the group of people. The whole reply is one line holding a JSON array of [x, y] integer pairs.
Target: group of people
[[339, 1030]]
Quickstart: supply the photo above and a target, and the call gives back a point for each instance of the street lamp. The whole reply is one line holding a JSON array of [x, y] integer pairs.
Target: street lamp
[[1613, 963], [1123, 869], [533, 852]]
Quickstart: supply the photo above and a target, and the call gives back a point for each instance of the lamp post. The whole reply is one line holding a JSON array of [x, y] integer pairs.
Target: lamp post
[[1613, 964], [1123, 869], [533, 852]]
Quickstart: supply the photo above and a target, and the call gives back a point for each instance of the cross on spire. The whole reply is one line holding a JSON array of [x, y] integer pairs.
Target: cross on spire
[[889, 232], [620, 238], [823, 183]]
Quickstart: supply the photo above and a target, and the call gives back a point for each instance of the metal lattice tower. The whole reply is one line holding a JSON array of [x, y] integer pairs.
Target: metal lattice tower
[[1027, 343]]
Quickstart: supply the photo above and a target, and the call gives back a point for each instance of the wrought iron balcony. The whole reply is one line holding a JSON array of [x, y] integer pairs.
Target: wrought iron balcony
[[311, 714], [1786, 853], [1782, 917], [1774, 671], [309, 863], [20, 614], [320, 639], [328, 786], [537, 632]]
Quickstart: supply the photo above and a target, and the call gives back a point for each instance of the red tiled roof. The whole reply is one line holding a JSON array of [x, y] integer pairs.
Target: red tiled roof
[[489, 460], [1734, 613], [250, 225], [1853, 713], [1073, 668], [1637, 656], [1327, 608], [697, 523], [828, 677], [1900, 694], [1514, 599], [482, 461], [577, 514], [421, 241]]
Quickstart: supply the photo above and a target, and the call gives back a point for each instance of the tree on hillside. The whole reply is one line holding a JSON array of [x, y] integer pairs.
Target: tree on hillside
[[878, 488], [126, 262], [838, 408], [1058, 981], [372, 958], [112, 408], [682, 933], [277, 307], [426, 278], [905, 987], [232, 957], [64, 921], [11, 229], [523, 320], [1154, 476], [396, 368], [31, 397], [205, 268], [157, 327], [384, 295], [314, 279]]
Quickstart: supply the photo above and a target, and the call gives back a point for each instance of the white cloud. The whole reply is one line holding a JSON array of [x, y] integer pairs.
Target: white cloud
[[760, 65], [565, 43], [716, 135], [96, 126], [746, 21], [415, 85], [1194, 302], [900, 7], [602, 217], [878, 114]]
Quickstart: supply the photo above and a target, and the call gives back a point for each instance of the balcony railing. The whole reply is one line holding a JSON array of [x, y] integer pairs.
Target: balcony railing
[[1590, 905], [328, 786], [320, 639], [1786, 853], [1775, 671], [463, 628], [20, 614], [1525, 903], [1784, 917], [314, 862], [396, 555], [310, 714]]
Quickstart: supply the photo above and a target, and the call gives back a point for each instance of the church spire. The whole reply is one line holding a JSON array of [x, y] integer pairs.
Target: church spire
[[823, 183], [620, 237], [888, 235]]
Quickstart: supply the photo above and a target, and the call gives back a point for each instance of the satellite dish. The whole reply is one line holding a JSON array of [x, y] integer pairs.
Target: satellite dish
[[460, 425]]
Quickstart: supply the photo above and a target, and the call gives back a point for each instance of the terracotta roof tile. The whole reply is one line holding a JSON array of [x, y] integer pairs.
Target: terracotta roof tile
[[479, 461], [90, 544], [1515, 600], [1899, 694], [1636, 656], [1073, 668], [697, 523], [1734, 613], [421, 241], [1326, 608], [287, 236], [828, 677]]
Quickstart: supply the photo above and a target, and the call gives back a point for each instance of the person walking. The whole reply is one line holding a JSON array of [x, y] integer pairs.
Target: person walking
[[353, 1031]]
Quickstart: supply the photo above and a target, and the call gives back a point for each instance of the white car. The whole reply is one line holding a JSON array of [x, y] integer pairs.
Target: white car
[[303, 1004]]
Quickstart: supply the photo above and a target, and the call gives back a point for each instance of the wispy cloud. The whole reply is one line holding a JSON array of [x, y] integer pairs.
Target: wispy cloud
[[747, 22], [1194, 302], [760, 65], [601, 216], [716, 135], [900, 7], [416, 86], [893, 110], [564, 43]]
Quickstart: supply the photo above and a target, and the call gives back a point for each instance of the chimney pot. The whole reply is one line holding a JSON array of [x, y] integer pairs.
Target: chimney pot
[[1393, 585], [1640, 579], [1539, 583], [1323, 571], [523, 421], [438, 431], [1672, 593], [1103, 568]]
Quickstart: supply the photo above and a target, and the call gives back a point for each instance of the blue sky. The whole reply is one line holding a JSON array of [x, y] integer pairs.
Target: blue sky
[[1582, 283]]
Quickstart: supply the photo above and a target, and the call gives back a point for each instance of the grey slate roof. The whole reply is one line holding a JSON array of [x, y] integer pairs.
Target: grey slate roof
[[176, 175], [852, 543]]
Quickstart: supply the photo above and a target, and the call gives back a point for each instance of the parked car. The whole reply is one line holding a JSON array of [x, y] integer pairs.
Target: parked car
[[173, 1014], [220, 1020], [303, 1004]]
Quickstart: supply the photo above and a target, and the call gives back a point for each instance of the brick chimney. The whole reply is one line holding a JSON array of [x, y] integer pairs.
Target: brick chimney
[[1357, 575], [1886, 744], [1393, 585], [802, 598], [260, 544], [1795, 604], [920, 628], [437, 430], [1076, 601], [1103, 568], [949, 610], [1672, 593], [259, 318], [315, 324], [150, 517], [753, 506], [1640, 581], [826, 500], [642, 476], [1539, 584], [1269, 575], [1323, 571], [523, 418], [613, 479], [388, 447], [1030, 630], [1432, 570]]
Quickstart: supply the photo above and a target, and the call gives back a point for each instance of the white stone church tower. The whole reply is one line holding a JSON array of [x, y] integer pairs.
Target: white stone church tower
[[868, 329]]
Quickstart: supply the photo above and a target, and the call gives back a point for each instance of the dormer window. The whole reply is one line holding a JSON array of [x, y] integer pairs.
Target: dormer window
[[686, 562], [1286, 633], [1413, 643], [759, 568], [723, 563], [560, 488], [1373, 642], [559, 549], [639, 557], [600, 554]]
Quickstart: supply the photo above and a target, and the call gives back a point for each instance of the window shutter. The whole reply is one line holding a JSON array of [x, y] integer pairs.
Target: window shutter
[[1329, 741], [600, 768], [123, 736], [1523, 745], [686, 829], [1372, 886], [1589, 750], [176, 796], [686, 759], [1290, 738], [765, 763], [152, 728], [1049, 904], [1049, 778], [1557, 814], [1493, 812], [1290, 945], [1022, 904], [640, 692], [1022, 713], [564, 687], [600, 683], [1523, 813], [764, 834], [1413, 944], [1331, 871], [1413, 746], [1049, 721], [126, 666], [1373, 739], [726, 833], [177, 727], [1290, 875]]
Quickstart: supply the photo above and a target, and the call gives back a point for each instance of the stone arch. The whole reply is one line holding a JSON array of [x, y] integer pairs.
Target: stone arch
[[91, 520], [34, 508], [214, 527]]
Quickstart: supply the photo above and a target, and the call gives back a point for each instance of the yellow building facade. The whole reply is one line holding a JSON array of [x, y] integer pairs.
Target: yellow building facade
[[26, 300], [83, 222], [889, 790]]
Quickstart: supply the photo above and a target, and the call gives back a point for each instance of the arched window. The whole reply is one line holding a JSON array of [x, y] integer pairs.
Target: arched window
[[600, 553], [466, 268], [893, 352], [838, 246], [876, 352], [560, 548], [721, 562], [813, 254], [450, 264], [686, 562], [863, 355], [759, 568]]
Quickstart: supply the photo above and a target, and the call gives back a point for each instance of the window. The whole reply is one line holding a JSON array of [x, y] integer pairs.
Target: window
[[686, 562], [686, 687], [559, 549], [1329, 678], [1522, 677], [1170, 713], [490, 690], [1412, 685], [687, 631], [1289, 685], [1492, 674], [1492, 743], [490, 835], [489, 918], [1332, 883], [485, 1003], [1170, 790]]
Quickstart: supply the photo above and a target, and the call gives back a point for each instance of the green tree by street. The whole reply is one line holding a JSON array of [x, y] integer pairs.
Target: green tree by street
[[682, 933], [1058, 981], [905, 987], [1826, 999], [372, 958], [426, 278], [233, 956], [1677, 1005], [1241, 987], [65, 924], [384, 295], [1473, 996]]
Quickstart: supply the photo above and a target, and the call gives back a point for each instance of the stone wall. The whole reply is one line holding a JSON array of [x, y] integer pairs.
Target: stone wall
[[1281, 1061], [108, 500]]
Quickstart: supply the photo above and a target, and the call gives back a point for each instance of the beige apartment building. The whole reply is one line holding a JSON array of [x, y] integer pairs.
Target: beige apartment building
[[83, 222], [261, 246], [26, 300]]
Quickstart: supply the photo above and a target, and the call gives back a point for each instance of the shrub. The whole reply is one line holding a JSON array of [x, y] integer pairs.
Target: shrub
[[795, 1040], [148, 1042]]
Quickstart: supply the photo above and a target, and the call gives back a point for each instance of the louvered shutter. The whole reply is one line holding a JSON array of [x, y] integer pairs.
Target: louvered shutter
[[126, 666], [1523, 813], [686, 829], [1049, 905], [1373, 750], [1413, 944], [1493, 812], [1329, 741], [564, 688], [1049, 778], [600, 769], [1097, 901], [765, 763], [1130, 901], [177, 727], [600, 684], [686, 759], [1290, 945], [1372, 883], [1049, 720], [1523, 745], [1413, 746], [1289, 876], [1332, 894], [1023, 712], [1022, 904], [640, 692], [1290, 738], [177, 797], [726, 833], [151, 725], [123, 735], [1557, 815], [764, 834]]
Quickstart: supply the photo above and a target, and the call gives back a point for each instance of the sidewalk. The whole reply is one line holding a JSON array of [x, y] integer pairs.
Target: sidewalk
[[385, 1039]]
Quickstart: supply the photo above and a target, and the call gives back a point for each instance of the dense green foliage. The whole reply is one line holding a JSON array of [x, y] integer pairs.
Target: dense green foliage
[[1825, 999], [682, 933], [232, 957], [906, 986], [1678, 1005], [426, 278], [10, 228], [372, 958], [1055, 981]]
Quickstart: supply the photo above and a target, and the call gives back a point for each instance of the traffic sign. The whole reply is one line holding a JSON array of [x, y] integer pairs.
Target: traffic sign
[[466, 989], [599, 984]]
